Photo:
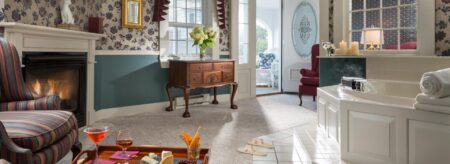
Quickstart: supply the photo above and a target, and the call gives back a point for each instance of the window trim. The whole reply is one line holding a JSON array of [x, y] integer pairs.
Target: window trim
[[398, 28], [209, 19], [425, 29], [177, 25]]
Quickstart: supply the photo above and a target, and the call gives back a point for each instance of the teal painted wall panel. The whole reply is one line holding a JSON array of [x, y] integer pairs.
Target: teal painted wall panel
[[225, 57], [332, 69], [126, 80]]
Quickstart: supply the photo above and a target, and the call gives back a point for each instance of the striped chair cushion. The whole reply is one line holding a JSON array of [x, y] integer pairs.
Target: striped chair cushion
[[13, 87], [35, 130], [57, 151], [44, 103], [49, 155]]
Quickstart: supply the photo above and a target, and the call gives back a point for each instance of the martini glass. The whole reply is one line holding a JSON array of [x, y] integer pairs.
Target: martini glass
[[96, 134]]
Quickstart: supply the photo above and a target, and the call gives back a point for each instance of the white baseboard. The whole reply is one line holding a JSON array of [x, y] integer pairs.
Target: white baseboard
[[143, 108]]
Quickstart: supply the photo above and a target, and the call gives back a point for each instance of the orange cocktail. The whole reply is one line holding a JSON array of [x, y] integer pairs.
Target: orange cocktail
[[96, 134]]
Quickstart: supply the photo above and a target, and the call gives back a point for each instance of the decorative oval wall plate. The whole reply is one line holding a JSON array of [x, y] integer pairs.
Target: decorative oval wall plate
[[304, 29]]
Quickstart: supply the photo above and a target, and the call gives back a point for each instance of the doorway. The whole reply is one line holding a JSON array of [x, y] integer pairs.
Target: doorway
[[268, 46]]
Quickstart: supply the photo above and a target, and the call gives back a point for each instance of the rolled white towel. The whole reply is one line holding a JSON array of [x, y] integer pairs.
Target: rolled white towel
[[433, 108], [424, 99], [436, 84]]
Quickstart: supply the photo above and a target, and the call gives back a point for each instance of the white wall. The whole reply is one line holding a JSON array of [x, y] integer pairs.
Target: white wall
[[404, 68]]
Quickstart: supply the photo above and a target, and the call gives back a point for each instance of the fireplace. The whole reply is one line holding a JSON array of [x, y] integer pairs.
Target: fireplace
[[61, 74]]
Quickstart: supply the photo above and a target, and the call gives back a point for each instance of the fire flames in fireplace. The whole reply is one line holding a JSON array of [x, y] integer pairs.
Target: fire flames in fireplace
[[59, 87], [52, 87], [59, 74]]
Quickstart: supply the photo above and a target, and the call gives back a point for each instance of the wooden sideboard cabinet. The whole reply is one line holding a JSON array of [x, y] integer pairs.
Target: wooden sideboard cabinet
[[191, 74]]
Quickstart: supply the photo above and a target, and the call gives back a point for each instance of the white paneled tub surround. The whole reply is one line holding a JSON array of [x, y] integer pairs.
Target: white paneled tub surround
[[382, 126]]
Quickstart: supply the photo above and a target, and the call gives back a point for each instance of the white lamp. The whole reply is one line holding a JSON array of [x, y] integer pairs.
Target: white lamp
[[372, 37]]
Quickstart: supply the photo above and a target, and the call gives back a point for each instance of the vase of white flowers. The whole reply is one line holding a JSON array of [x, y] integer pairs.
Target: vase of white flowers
[[329, 47], [203, 38]]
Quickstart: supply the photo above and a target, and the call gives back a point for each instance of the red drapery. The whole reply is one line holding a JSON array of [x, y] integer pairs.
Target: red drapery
[[222, 13], [160, 10]]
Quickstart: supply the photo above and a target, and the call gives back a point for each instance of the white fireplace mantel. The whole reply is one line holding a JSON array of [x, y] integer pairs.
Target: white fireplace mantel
[[32, 38]]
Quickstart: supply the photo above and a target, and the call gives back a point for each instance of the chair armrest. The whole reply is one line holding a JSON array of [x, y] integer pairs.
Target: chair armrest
[[308, 73], [43, 103], [13, 151]]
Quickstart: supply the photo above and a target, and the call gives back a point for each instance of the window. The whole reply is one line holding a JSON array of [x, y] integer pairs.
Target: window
[[243, 31], [183, 16], [396, 18]]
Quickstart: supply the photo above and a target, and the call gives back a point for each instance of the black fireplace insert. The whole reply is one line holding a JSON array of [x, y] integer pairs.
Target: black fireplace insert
[[62, 74]]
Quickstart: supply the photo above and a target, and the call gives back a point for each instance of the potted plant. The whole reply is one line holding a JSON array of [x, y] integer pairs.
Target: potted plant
[[203, 38]]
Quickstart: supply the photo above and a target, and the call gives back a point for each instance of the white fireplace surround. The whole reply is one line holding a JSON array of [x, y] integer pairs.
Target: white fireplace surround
[[32, 38]]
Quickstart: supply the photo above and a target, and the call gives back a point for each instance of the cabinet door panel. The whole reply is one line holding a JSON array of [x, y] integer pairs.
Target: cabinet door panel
[[332, 122], [321, 105], [195, 78], [428, 142], [372, 136], [227, 76], [212, 77], [224, 66], [195, 67]]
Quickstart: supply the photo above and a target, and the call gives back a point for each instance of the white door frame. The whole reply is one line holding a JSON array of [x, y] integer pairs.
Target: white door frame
[[245, 73]]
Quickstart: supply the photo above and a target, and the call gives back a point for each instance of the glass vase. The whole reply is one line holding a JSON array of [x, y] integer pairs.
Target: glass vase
[[193, 153], [202, 53]]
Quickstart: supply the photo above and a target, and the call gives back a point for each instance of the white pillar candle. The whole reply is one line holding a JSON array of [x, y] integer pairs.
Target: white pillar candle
[[355, 48], [343, 45]]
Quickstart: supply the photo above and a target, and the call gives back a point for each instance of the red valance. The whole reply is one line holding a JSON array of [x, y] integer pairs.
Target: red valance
[[160, 10], [222, 13]]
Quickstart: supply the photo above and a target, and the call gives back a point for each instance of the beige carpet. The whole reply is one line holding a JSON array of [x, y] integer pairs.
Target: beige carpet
[[223, 130]]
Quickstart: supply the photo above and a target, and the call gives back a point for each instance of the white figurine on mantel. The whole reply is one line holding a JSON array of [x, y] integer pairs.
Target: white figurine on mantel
[[66, 14]]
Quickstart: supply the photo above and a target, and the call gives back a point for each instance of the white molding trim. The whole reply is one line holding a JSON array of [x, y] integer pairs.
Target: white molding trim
[[125, 52], [139, 109]]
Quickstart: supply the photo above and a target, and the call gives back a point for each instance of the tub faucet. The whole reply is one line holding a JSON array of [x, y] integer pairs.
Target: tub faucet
[[353, 83], [361, 85]]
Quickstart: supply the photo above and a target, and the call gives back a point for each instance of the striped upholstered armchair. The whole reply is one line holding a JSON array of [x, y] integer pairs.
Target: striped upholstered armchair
[[32, 129]]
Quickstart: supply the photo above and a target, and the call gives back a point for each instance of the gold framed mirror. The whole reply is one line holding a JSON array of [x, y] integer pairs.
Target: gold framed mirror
[[132, 14]]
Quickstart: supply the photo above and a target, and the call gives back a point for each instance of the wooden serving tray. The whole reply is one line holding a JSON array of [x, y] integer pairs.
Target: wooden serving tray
[[105, 152]]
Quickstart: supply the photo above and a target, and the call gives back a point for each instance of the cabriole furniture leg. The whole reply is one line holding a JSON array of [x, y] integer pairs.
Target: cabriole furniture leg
[[233, 94], [187, 92]]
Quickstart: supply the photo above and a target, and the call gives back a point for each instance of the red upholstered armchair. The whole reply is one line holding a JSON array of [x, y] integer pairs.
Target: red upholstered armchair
[[32, 129], [310, 78]]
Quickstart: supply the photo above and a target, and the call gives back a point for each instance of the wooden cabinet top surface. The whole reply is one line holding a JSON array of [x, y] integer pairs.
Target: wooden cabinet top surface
[[203, 61]]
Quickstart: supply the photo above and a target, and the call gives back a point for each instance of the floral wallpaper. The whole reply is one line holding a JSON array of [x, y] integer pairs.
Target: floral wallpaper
[[47, 13], [119, 38], [442, 27], [331, 20]]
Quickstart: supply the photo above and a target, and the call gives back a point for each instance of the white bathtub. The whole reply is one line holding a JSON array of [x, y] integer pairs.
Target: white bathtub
[[391, 93], [380, 124]]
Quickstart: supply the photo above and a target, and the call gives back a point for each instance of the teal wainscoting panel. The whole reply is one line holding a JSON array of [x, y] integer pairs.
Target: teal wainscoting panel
[[332, 69], [126, 80], [225, 57]]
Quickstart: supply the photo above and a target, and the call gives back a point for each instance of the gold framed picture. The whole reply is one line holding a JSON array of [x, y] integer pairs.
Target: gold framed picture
[[132, 14]]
